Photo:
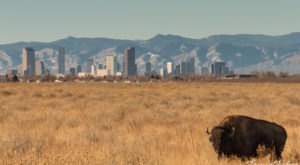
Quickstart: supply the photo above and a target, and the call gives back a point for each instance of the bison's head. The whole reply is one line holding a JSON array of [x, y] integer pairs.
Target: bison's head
[[221, 137]]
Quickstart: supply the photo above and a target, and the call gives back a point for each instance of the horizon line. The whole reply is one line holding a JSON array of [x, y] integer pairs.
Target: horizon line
[[163, 34]]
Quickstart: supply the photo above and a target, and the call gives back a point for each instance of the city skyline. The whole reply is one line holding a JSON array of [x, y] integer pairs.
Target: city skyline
[[45, 21]]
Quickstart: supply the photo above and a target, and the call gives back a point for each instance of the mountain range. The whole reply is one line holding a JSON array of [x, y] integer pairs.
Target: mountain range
[[244, 53]]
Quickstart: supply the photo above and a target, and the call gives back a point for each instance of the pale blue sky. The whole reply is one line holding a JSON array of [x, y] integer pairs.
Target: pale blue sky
[[48, 20]]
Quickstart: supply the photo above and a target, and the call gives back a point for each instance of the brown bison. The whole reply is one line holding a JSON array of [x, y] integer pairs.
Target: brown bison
[[241, 136]]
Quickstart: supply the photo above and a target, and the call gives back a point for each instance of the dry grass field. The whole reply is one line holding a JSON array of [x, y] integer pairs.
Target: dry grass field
[[153, 123]]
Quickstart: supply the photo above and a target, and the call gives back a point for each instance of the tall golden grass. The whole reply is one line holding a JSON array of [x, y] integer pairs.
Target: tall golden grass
[[153, 123]]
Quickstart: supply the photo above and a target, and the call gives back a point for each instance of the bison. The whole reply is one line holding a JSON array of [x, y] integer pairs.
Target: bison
[[242, 135]]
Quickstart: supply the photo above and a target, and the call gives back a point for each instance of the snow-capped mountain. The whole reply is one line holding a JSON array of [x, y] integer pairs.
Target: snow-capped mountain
[[244, 53]]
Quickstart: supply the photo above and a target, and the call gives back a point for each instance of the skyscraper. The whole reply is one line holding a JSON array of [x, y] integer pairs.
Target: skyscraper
[[61, 60], [169, 68], [184, 68], [39, 68], [94, 70], [78, 69], [148, 68], [218, 68], [191, 66], [187, 67], [162, 72], [28, 61], [177, 70], [130, 68], [111, 64], [89, 64]]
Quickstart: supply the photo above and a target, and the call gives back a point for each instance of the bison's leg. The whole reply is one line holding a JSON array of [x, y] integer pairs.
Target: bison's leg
[[272, 153], [275, 154], [278, 150], [278, 155], [219, 155]]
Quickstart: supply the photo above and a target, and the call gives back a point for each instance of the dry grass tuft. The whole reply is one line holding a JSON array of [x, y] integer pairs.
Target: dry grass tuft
[[6, 93]]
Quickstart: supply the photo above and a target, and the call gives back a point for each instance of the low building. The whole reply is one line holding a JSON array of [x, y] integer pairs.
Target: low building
[[72, 71], [103, 72], [119, 74], [100, 66], [84, 74], [10, 73]]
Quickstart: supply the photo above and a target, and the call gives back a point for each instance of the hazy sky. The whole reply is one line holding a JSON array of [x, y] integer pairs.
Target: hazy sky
[[48, 20]]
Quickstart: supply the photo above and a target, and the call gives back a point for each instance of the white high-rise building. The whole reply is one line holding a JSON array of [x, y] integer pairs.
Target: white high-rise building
[[93, 70], [162, 72], [169, 67], [111, 63]]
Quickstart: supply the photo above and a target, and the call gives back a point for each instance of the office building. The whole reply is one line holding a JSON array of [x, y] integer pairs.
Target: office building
[[177, 70], [89, 64], [130, 68], [28, 61], [103, 72], [218, 68], [184, 68], [118, 67], [148, 68], [170, 68], [100, 66], [187, 67], [111, 64], [162, 72], [191, 66], [39, 68], [94, 69], [119, 74], [78, 69], [72, 71], [61, 60]]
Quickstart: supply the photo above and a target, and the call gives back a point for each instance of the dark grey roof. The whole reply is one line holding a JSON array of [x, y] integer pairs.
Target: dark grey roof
[[29, 49]]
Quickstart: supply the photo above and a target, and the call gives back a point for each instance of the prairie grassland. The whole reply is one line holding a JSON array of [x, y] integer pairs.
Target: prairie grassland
[[154, 123]]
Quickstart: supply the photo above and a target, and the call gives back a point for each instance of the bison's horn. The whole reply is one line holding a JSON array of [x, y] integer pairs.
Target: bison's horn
[[232, 132], [207, 131]]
